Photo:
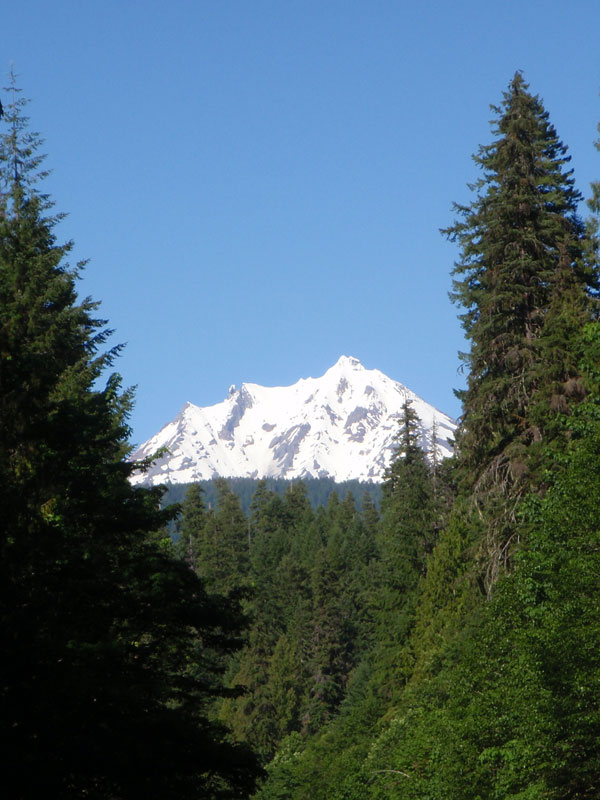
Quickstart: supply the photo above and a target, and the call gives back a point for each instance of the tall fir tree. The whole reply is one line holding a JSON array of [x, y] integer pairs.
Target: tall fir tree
[[109, 646], [525, 279], [191, 526], [408, 508], [407, 535]]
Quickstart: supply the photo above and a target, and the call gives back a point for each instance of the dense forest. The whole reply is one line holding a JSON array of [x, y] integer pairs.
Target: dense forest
[[318, 491], [440, 645]]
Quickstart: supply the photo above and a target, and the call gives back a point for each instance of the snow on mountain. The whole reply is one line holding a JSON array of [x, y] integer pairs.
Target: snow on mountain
[[341, 425]]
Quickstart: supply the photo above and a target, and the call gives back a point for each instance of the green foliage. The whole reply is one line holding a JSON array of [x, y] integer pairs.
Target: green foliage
[[468, 681], [525, 279], [408, 509], [411, 518], [110, 646], [390, 657], [306, 579], [318, 491], [520, 712], [521, 242], [193, 522]]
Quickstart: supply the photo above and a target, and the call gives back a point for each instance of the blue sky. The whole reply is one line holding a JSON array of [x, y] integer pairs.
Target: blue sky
[[259, 184]]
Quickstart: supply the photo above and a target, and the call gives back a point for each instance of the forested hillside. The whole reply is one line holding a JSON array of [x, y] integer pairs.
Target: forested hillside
[[443, 646]]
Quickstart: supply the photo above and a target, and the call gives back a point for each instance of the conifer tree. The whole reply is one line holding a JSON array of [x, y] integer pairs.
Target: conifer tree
[[108, 644], [338, 615], [191, 526], [520, 240], [525, 279], [406, 538], [258, 715], [221, 541], [407, 504], [233, 546]]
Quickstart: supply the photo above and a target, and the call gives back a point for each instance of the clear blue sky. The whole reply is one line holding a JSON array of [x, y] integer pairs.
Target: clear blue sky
[[259, 184]]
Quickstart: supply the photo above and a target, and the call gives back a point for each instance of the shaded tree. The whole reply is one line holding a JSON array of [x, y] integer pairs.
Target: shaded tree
[[109, 645], [191, 526]]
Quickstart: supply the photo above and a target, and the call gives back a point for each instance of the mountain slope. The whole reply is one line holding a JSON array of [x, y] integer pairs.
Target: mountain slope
[[341, 425]]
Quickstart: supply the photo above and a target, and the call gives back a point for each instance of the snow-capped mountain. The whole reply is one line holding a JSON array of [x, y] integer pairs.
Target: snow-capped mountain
[[341, 425]]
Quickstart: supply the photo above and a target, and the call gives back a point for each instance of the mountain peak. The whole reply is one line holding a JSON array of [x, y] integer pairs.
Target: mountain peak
[[348, 361], [342, 425]]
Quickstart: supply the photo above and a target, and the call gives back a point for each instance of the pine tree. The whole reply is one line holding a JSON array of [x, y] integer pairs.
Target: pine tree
[[406, 538], [258, 716], [109, 645], [525, 279], [233, 540], [519, 239], [339, 622], [408, 510], [191, 526]]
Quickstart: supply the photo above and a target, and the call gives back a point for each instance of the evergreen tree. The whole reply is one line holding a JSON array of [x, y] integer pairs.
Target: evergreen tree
[[234, 537], [260, 716], [405, 540], [191, 526], [109, 645], [519, 239], [334, 623], [525, 279], [408, 510], [223, 559]]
